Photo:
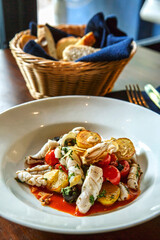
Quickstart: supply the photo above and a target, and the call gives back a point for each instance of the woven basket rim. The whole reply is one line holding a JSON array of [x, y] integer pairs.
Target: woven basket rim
[[14, 45]]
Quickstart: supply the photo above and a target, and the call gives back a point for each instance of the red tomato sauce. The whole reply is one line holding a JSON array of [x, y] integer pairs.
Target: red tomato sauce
[[58, 203]]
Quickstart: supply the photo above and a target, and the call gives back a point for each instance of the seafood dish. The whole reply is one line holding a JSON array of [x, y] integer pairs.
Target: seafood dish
[[81, 173]]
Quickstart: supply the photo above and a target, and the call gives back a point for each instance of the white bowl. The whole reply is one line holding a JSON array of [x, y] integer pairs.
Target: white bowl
[[25, 128]]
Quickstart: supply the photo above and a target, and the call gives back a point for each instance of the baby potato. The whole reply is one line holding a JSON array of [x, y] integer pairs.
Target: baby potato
[[51, 176], [108, 194], [56, 180], [125, 149], [75, 180], [87, 139]]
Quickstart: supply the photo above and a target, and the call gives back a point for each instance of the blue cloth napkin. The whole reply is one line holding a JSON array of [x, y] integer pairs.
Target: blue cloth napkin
[[150, 103], [100, 30], [111, 22], [102, 27], [113, 52], [114, 44], [35, 49], [33, 28], [112, 39]]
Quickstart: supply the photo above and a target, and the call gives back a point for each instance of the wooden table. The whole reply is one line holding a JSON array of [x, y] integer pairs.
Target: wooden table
[[145, 67]]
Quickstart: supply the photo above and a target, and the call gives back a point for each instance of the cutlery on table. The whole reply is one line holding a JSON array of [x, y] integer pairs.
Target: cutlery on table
[[135, 96]]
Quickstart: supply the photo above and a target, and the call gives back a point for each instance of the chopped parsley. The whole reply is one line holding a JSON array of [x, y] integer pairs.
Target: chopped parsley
[[70, 155], [91, 199], [138, 170], [66, 191], [102, 194], [60, 168], [71, 175], [137, 174], [77, 166], [112, 196], [65, 149]]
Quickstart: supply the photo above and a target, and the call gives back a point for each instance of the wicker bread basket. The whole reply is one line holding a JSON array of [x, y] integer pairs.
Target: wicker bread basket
[[45, 78]]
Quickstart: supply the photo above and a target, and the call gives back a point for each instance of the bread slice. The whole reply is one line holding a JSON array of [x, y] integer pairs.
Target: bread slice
[[40, 33], [24, 39], [63, 43], [87, 40], [51, 43], [41, 39], [73, 52]]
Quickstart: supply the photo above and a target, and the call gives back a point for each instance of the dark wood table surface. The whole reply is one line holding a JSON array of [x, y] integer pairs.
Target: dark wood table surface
[[145, 67]]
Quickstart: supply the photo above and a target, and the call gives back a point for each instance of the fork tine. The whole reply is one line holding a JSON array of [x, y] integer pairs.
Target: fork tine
[[128, 94], [141, 97], [135, 96]]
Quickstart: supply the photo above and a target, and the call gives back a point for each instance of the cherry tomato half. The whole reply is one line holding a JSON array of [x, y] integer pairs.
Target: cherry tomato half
[[61, 167], [112, 174], [114, 160], [126, 168], [105, 161], [51, 159]]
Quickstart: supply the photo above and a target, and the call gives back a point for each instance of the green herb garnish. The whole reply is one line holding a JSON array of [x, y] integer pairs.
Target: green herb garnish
[[91, 199], [66, 191], [70, 155], [112, 196], [137, 174], [60, 168], [102, 194], [77, 166], [65, 149], [71, 175]]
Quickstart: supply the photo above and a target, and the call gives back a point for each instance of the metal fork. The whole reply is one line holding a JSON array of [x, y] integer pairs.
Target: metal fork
[[135, 96]]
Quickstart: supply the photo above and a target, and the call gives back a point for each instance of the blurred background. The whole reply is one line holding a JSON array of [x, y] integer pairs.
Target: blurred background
[[140, 19]]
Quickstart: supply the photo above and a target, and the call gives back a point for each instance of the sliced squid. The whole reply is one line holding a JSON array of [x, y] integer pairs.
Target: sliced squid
[[38, 157], [90, 189], [72, 163], [92, 154], [39, 169], [78, 129], [58, 152], [134, 176], [124, 192], [33, 180]]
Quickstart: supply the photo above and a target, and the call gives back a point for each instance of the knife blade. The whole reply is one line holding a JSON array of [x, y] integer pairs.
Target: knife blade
[[153, 94]]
